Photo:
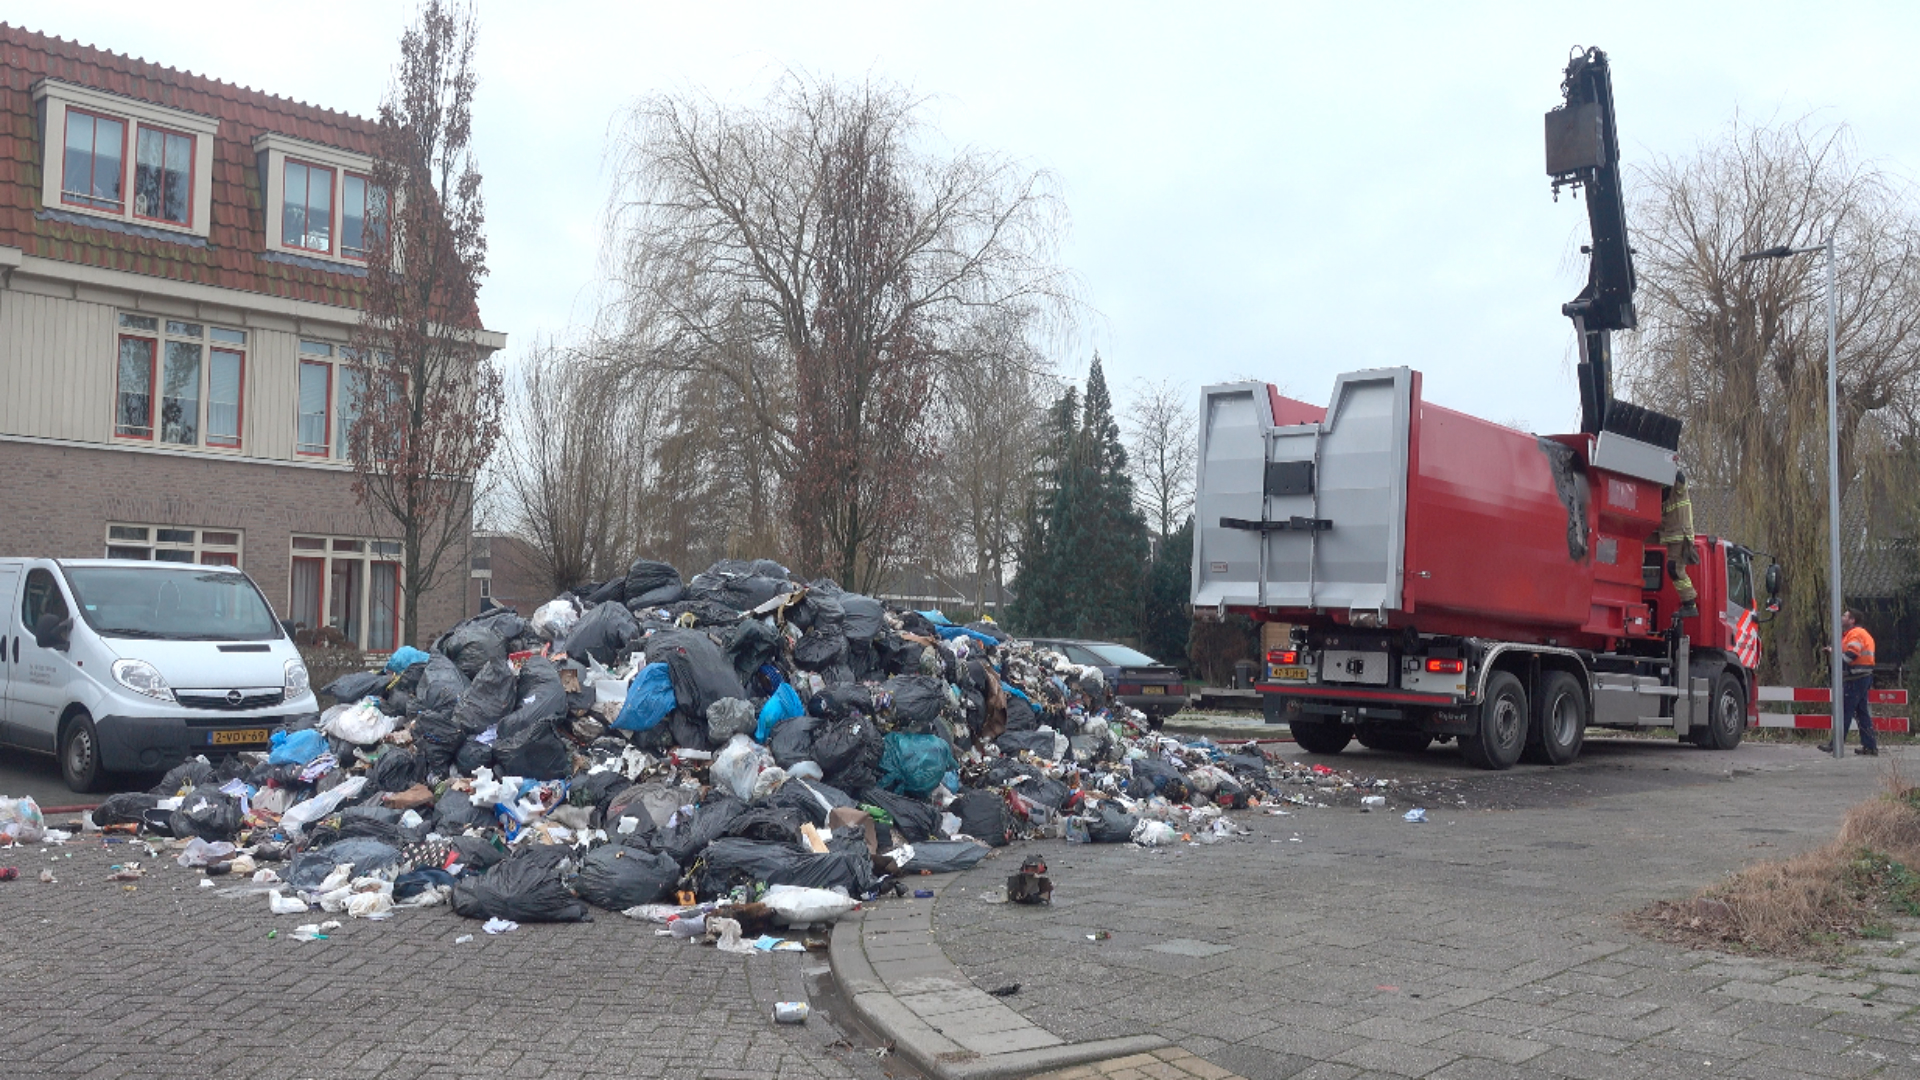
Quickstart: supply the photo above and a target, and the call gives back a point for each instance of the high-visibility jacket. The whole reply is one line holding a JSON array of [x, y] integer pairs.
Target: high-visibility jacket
[[1857, 647]]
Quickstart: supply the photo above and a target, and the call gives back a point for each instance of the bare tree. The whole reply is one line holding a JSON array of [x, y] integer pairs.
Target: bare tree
[[805, 268], [426, 395], [1161, 430], [1738, 350]]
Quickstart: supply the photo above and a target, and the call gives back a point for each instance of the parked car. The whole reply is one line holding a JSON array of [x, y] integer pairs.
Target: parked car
[[1134, 678], [117, 665]]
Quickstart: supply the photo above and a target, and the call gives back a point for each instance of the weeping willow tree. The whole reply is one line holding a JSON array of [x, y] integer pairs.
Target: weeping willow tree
[[1739, 350]]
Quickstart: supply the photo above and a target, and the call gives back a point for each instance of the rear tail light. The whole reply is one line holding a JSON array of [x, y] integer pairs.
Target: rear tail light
[[1283, 656], [1446, 667], [1127, 688]]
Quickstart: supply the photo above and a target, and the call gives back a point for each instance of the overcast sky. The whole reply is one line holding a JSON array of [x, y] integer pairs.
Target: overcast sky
[[1281, 190]]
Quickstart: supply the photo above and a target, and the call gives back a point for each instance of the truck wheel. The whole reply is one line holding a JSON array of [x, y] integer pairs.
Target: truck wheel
[[1559, 722], [1395, 742], [1726, 717], [1316, 737], [80, 755], [1500, 732]]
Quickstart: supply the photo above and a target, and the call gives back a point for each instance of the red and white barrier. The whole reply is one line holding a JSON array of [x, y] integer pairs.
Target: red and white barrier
[[1824, 721]]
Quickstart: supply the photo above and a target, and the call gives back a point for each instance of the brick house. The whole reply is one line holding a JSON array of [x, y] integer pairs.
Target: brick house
[[181, 269]]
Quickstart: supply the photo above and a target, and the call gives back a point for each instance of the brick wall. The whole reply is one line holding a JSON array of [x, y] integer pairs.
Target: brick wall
[[56, 502]]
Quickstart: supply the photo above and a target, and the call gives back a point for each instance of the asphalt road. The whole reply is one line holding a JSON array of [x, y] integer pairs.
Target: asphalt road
[[38, 775]]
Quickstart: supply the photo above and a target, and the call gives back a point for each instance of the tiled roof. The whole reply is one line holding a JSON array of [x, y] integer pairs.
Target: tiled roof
[[234, 253]]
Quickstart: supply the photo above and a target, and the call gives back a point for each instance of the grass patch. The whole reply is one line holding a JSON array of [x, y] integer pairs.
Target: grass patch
[[1814, 904]]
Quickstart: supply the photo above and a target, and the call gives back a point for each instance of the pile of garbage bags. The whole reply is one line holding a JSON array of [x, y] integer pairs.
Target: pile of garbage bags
[[651, 744]]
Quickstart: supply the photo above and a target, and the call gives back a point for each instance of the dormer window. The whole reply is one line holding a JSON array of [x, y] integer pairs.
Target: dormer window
[[115, 157], [321, 204], [307, 217]]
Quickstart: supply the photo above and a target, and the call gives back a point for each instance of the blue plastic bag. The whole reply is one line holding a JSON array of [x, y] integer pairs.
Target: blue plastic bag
[[783, 705], [914, 764], [649, 699], [405, 657], [296, 747]]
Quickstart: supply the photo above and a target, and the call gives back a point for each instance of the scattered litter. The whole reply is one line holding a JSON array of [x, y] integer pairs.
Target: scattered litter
[[1373, 802], [790, 1012], [1005, 991], [499, 926], [1416, 815], [463, 939], [47, 878]]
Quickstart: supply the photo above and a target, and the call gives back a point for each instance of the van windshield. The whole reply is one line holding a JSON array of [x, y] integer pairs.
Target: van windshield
[[173, 605]]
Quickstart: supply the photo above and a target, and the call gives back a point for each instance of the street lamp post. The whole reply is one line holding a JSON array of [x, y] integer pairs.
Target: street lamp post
[[1833, 477]]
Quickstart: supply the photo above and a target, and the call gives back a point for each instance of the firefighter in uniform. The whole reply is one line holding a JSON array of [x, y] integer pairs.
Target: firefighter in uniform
[[1676, 534], [1856, 646]]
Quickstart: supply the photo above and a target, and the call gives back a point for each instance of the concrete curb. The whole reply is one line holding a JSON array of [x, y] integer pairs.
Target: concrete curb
[[907, 991]]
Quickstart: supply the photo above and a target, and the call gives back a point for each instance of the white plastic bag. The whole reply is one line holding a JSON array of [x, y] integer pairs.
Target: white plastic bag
[[738, 765], [362, 724], [556, 618], [370, 905], [20, 820], [1149, 833], [198, 852], [801, 906], [285, 905], [729, 931], [300, 815]]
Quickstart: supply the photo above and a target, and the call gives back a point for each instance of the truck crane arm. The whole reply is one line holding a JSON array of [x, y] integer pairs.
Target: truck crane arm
[[1583, 150]]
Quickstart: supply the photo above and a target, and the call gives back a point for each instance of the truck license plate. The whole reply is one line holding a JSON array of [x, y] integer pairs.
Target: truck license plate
[[1153, 689], [235, 738], [1290, 674]]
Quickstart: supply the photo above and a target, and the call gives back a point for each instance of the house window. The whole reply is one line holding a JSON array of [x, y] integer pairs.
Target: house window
[[363, 211], [346, 590], [307, 219], [200, 372], [174, 543], [163, 176], [316, 390], [91, 167]]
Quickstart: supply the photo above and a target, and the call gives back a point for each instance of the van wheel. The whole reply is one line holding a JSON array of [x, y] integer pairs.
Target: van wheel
[[1559, 722], [80, 755], [1500, 731], [1319, 738], [1726, 717]]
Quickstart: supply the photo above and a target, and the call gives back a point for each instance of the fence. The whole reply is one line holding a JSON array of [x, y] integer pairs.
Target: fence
[[1823, 721]]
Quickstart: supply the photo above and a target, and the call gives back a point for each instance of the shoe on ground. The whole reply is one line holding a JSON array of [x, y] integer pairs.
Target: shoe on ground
[[1866, 751]]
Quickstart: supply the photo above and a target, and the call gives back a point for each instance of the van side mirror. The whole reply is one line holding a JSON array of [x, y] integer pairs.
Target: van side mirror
[[50, 631]]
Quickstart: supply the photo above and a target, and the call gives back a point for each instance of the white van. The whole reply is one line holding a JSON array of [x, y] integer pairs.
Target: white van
[[163, 661]]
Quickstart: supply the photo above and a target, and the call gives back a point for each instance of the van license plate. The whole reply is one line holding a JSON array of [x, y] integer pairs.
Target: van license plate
[[237, 738], [1290, 674], [1153, 689]]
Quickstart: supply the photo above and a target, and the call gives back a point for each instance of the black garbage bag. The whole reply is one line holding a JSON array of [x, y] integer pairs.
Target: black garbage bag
[[1046, 791], [848, 752], [540, 696], [917, 699], [729, 717], [1151, 776], [862, 661], [480, 639], [493, 693], [737, 585], [534, 749], [792, 740], [732, 861], [524, 890], [700, 672], [691, 833], [812, 799], [617, 877], [190, 773], [456, 812], [820, 648], [596, 790], [206, 813], [124, 809], [603, 633], [475, 854], [472, 756], [914, 819], [686, 731], [1248, 766], [767, 820], [841, 700], [1036, 742], [945, 856], [609, 592], [866, 618], [749, 644], [355, 685], [440, 686], [1231, 794], [820, 609], [368, 855], [1111, 825], [397, 770], [373, 828], [652, 584], [984, 816], [704, 612]]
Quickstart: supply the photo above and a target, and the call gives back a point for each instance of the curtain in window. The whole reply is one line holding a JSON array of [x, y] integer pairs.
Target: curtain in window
[[180, 395], [313, 408], [162, 164], [305, 608], [223, 398], [343, 598], [133, 408], [383, 608]]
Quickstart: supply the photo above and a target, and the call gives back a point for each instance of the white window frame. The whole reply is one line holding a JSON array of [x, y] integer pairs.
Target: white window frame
[[273, 151], [53, 98], [163, 332], [371, 551], [197, 544]]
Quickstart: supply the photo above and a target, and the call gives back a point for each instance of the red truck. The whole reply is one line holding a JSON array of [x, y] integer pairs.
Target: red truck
[[1450, 578]]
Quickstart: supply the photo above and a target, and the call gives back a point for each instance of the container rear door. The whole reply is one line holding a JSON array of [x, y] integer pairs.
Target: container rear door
[[1234, 421], [1360, 486]]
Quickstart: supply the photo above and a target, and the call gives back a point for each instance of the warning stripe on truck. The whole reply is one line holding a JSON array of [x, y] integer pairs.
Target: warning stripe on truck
[[1824, 721]]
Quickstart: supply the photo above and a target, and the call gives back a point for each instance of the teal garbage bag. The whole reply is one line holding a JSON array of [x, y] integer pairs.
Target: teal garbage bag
[[405, 657], [914, 764], [783, 705], [649, 699], [296, 747]]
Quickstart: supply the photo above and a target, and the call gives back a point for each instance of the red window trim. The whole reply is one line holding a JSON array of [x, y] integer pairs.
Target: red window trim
[[193, 153], [239, 404], [368, 181], [126, 127], [326, 428], [332, 174], [153, 389]]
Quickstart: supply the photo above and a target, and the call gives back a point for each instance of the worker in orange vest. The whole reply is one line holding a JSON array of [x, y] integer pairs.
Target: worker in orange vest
[[1856, 646]]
